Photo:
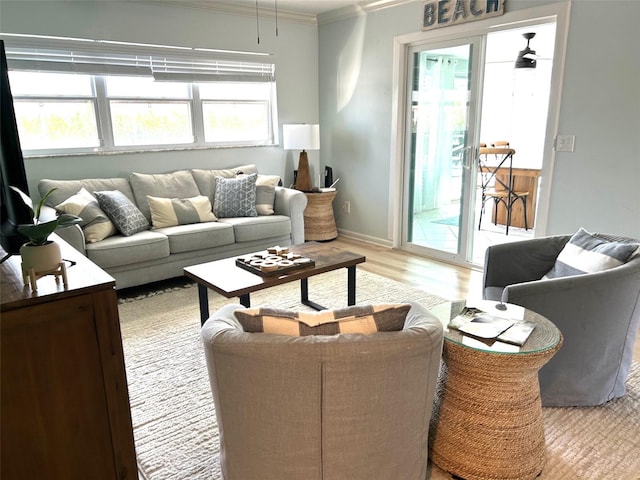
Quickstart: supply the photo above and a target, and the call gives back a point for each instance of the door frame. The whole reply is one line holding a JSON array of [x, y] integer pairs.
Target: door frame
[[559, 12], [477, 50]]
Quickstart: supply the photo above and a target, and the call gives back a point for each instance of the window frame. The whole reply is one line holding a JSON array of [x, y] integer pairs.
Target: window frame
[[182, 56]]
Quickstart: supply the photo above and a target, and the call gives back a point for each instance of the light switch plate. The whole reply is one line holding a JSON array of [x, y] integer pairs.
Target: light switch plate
[[565, 143]]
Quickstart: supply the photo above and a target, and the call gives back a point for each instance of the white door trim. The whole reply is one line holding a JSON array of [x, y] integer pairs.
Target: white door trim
[[519, 18]]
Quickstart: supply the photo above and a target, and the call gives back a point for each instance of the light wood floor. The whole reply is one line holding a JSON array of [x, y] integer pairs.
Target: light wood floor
[[447, 281]]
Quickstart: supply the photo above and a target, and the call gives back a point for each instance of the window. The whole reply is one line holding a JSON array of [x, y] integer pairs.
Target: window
[[239, 112], [145, 112], [53, 121], [79, 96]]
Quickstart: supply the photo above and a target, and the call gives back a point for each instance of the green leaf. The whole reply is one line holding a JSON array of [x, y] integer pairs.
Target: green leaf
[[38, 233]]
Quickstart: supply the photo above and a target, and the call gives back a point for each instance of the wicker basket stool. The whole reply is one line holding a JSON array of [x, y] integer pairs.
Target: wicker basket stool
[[487, 419]]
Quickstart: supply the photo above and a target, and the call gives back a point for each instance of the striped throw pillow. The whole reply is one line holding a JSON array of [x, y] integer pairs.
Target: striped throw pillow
[[168, 212], [586, 253], [356, 319], [95, 224]]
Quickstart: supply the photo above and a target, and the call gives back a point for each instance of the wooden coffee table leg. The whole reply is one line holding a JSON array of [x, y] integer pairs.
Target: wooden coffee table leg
[[203, 298]]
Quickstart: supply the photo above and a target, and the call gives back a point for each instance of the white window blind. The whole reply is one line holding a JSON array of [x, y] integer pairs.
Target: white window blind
[[163, 63]]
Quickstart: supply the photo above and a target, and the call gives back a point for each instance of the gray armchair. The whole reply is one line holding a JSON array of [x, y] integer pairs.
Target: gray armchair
[[323, 407], [597, 313]]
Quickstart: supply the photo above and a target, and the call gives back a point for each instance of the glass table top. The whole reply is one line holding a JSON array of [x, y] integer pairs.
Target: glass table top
[[545, 335]]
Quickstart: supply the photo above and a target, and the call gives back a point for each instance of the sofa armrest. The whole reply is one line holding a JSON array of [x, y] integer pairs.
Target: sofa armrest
[[292, 203], [522, 261], [72, 234]]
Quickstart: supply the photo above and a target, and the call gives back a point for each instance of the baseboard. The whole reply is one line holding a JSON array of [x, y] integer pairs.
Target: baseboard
[[365, 238]]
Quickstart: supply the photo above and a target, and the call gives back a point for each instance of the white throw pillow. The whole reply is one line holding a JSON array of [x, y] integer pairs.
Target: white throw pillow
[[266, 193]]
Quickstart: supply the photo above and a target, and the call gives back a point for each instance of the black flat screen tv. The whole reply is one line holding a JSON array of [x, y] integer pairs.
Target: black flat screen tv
[[13, 211]]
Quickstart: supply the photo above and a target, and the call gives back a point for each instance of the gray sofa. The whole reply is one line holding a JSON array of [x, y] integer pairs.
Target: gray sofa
[[160, 253]]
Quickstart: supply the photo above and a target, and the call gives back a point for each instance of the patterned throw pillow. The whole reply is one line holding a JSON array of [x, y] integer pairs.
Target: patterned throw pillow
[[265, 193], [127, 218], [95, 224], [586, 253], [235, 197], [356, 319], [167, 212]]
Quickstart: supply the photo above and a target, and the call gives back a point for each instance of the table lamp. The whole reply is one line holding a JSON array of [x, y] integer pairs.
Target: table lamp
[[302, 137]]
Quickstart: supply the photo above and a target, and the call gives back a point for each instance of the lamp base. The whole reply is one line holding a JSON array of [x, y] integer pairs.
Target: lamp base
[[303, 180]]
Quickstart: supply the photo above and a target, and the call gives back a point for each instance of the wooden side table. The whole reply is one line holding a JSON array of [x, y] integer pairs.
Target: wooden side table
[[319, 222]]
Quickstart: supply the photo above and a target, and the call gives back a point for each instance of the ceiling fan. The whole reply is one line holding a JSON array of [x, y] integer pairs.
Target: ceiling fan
[[527, 58]]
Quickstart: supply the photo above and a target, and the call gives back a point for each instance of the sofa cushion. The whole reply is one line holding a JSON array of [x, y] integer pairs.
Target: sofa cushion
[[235, 197], [248, 229], [67, 188], [198, 236], [206, 179], [178, 184], [356, 319], [118, 250], [587, 253], [122, 212], [167, 212], [95, 223]]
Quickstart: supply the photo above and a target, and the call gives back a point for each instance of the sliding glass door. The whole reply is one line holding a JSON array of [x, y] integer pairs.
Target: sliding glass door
[[439, 151]]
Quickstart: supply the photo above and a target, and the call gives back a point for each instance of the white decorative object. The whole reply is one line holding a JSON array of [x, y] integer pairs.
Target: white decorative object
[[41, 260]]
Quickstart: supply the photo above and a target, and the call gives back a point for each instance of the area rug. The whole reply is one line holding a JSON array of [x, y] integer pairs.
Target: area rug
[[174, 419]]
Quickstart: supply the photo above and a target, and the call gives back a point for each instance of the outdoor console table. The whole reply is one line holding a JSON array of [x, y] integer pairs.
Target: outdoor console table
[[487, 419]]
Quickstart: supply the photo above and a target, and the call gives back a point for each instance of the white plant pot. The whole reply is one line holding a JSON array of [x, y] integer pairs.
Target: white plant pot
[[42, 258]]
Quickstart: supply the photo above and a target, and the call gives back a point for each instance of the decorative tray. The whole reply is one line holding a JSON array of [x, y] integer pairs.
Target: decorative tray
[[273, 262]]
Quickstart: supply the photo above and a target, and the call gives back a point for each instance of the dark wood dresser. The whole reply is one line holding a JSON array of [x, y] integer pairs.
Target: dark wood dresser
[[65, 405]]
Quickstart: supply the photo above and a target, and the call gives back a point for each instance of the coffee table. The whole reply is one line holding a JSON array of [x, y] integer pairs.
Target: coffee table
[[229, 280], [487, 418]]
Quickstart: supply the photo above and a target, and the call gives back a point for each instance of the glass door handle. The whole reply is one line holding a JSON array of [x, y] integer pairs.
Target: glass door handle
[[468, 156]]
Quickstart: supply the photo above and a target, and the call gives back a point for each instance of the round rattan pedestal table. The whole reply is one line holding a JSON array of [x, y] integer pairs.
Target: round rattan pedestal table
[[319, 222], [487, 419]]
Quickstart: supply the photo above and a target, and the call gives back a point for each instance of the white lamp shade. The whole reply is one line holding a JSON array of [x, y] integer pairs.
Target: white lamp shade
[[301, 137]]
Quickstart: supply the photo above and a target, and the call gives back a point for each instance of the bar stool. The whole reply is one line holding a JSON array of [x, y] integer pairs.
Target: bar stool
[[493, 187]]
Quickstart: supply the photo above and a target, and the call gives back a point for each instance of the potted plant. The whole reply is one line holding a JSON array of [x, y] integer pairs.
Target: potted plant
[[40, 253]]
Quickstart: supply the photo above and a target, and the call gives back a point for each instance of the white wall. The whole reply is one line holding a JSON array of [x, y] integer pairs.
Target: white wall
[[295, 51], [595, 187], [598, 185]]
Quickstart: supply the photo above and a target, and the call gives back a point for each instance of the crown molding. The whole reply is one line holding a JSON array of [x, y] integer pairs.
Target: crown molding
[[221, 6], [235, 9], [360, 8]]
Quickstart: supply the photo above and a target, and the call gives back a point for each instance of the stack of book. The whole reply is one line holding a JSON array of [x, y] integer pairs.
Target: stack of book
[[477, 323]]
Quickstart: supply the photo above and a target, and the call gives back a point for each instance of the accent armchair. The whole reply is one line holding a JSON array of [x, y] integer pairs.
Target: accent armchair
[[597, 313], [323, 407]]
